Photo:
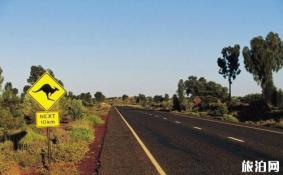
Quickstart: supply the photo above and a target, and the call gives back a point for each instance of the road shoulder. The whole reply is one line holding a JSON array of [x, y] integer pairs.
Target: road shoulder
[[121, 153]]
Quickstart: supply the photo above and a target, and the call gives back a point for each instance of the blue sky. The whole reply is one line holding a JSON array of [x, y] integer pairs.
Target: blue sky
[[131, 47]]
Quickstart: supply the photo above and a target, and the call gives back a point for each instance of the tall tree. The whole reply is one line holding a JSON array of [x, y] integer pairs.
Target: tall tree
[[1, 79], [229, 64], [10, 110], [125, 97], [264, 57], [99, 97], [176, 103], [35, 73], [181, 91], [158, 99], [166, 97], [141, 99], [86, 99]]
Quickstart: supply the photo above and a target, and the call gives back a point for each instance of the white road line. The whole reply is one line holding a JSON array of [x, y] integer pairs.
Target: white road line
[[197, 128], [147, 152], [177, 122], [231, 124], [164, 118], [233, 138]]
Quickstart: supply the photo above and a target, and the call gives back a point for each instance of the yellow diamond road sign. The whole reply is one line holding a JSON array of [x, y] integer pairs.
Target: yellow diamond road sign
[[46, 91]]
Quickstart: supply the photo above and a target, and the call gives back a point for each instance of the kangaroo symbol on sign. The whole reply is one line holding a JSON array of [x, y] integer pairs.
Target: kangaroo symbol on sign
[[48, 90]]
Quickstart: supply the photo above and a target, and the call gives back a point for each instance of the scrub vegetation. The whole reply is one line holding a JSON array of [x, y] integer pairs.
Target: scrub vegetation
[[23, 147], [199, 97]]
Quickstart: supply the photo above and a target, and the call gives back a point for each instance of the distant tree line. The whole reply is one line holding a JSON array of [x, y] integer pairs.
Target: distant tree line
[[264, 57]]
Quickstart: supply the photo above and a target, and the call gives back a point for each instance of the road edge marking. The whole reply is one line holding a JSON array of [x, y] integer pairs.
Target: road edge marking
[[233, 138], [232, 124], [197, 128], [158, 168]]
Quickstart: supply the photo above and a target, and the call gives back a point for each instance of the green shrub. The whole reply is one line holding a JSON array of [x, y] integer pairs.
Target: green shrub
[[8, 121], [280, 124], [83, 123], [82, 134], [229, 117], [6, 146], [7, 149], [26, 158], [60, 135], [194, 114], [251, 98], [218, 109], [277, 97], [29, 107], [73, 108], [32, 142], [69, 152], [94, 119], [235, 101], [203, 114]]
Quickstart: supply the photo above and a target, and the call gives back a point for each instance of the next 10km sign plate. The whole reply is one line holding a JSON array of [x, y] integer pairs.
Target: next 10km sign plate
[[47, 119]]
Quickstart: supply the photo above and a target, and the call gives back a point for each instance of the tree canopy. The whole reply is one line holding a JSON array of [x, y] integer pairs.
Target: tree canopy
[[1, 78], [200, 87], [264, 57], [229, 64], [35, 73], [99, 97], [181, 91]]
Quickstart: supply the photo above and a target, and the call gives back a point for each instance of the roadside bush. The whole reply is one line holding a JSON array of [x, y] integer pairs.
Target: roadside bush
[[193, 114], [277, 98], [60, 135], [7, 149], [280, 124], [8, 122], [229, 117], [8, 167], [94, 119], [29, 107], [206, 101], [83, 123], [235, 101], [218, 109], [26, 158], [6, 146], [69, 152], [203, 114], [251, 98], [73, 108], [32, 142], [82, 134]]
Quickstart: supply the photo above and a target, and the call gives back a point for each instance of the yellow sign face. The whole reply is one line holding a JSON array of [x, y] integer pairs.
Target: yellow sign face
[[46, 91], [47, 119]]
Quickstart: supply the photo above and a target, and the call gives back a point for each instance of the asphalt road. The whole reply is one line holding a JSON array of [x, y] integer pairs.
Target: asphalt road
[[187, 145]]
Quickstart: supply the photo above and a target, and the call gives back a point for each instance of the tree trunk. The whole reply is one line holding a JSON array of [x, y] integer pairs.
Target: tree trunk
[[267, 90], [229, 91]]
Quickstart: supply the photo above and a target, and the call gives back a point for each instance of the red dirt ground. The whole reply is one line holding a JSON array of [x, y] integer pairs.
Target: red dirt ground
[[90, 164]]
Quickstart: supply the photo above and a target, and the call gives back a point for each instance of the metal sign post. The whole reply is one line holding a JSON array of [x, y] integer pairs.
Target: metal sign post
[[48, 146]]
